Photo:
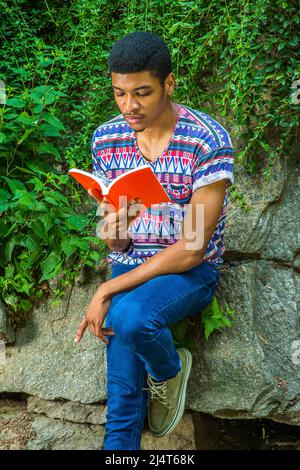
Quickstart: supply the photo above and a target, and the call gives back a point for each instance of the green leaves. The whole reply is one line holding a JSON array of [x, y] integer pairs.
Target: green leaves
[[53, 121], [38, 229], [48, 148], [17, 102], [69, 245], [50, 266], [180, 333], [40, 234], [17, 187], [43, 96], [214, 319], [27, 200], [29, 131], [4, 202]]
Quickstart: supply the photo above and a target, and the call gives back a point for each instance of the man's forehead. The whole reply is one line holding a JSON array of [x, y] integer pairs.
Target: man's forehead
[[132, 81]]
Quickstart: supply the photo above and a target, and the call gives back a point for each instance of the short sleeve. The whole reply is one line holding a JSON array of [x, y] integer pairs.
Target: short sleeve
[[216, 165], [96, 159]]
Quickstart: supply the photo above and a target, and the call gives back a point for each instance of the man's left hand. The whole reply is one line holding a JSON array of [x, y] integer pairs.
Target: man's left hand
[[94, 319]]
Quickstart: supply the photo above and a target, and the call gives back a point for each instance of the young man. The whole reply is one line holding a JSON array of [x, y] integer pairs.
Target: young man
[[165, 265]]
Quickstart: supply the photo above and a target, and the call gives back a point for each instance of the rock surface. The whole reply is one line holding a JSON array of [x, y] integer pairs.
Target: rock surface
[[7, 333]]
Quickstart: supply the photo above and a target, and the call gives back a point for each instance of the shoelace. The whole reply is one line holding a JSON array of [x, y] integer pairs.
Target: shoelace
[[158, 390]]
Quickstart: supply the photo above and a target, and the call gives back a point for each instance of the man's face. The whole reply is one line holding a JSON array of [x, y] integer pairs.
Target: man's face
[[141, 96]]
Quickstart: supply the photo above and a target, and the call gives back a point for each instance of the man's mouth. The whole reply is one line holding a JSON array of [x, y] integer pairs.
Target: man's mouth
[[134, 119]]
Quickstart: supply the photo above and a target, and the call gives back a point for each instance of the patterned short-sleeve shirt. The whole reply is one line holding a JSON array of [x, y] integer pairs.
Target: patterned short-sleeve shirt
[[199, 152]]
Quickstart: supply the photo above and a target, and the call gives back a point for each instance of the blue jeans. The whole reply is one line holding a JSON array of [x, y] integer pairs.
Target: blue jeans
[[143, 344]]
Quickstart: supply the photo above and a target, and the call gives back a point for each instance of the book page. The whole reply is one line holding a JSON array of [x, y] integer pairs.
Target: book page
[[101, 177]]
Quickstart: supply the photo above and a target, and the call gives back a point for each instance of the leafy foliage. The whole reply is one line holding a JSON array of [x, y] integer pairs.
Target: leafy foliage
[[237, 61], [212, 318], [39, 228]]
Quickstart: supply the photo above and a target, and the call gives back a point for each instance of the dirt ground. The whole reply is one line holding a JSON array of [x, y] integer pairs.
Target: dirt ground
[[244, 434], [15, 424]]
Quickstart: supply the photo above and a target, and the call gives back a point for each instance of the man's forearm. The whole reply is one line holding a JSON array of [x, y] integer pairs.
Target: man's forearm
[[173, 259]]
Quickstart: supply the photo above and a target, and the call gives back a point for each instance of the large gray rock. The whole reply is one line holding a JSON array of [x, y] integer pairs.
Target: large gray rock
[[68, 410], [248, 370], [47, 363], [283, 241], [58, 434], [55, 434], [270, 228], [182, 437]]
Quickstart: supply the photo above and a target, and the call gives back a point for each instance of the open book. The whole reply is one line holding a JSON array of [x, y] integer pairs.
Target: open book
[[140, 183]]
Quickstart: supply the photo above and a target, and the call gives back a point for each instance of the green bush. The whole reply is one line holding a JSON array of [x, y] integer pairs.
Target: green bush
[[40, 228]]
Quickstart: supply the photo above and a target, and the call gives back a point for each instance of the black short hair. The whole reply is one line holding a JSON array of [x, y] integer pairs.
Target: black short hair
[[141, 50]]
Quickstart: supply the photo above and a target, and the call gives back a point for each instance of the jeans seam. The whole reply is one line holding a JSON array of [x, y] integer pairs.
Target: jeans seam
[[135, 430], [155, 340], [163, 347]]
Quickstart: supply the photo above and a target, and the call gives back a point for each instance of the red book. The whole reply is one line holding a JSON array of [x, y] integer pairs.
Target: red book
[[140, 183]]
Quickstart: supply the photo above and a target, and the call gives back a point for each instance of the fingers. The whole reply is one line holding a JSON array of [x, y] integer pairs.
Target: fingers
[[95, 330], [108, 331], [135, 208], [105, 208], [122, 212], [98, 332], [130, 202], [134, 201], [82, 327], [125, 211], [130, 207]]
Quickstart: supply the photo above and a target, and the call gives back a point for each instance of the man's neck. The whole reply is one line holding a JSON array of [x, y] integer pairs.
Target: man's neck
[[163, 126]]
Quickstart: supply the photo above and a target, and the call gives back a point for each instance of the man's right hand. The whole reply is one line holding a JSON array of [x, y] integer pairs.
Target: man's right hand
[[118, 222]]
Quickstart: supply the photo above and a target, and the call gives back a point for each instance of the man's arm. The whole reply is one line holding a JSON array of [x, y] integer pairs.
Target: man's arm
[[178, 257]]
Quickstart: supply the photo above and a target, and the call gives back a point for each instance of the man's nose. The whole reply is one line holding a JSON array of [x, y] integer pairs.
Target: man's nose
[[131, 106]]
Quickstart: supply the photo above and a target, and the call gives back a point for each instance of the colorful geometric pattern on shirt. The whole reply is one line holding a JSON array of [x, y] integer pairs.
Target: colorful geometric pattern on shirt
[[199, 152]]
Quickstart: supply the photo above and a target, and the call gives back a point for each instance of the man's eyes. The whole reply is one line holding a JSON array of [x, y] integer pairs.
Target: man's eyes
[[140, 94]]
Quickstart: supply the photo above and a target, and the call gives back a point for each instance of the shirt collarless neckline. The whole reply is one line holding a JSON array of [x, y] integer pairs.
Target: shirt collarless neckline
[[164, 152]]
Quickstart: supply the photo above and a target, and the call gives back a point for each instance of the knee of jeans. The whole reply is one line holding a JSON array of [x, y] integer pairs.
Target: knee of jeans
[[130, 322]]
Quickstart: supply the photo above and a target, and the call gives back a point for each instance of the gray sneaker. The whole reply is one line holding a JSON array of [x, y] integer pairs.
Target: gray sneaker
[[166, 403]]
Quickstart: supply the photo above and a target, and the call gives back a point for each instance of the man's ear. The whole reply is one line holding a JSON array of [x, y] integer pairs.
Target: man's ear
[[170, 82]]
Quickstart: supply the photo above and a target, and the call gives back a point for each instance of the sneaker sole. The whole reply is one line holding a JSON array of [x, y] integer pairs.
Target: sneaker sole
[[181, 407]]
